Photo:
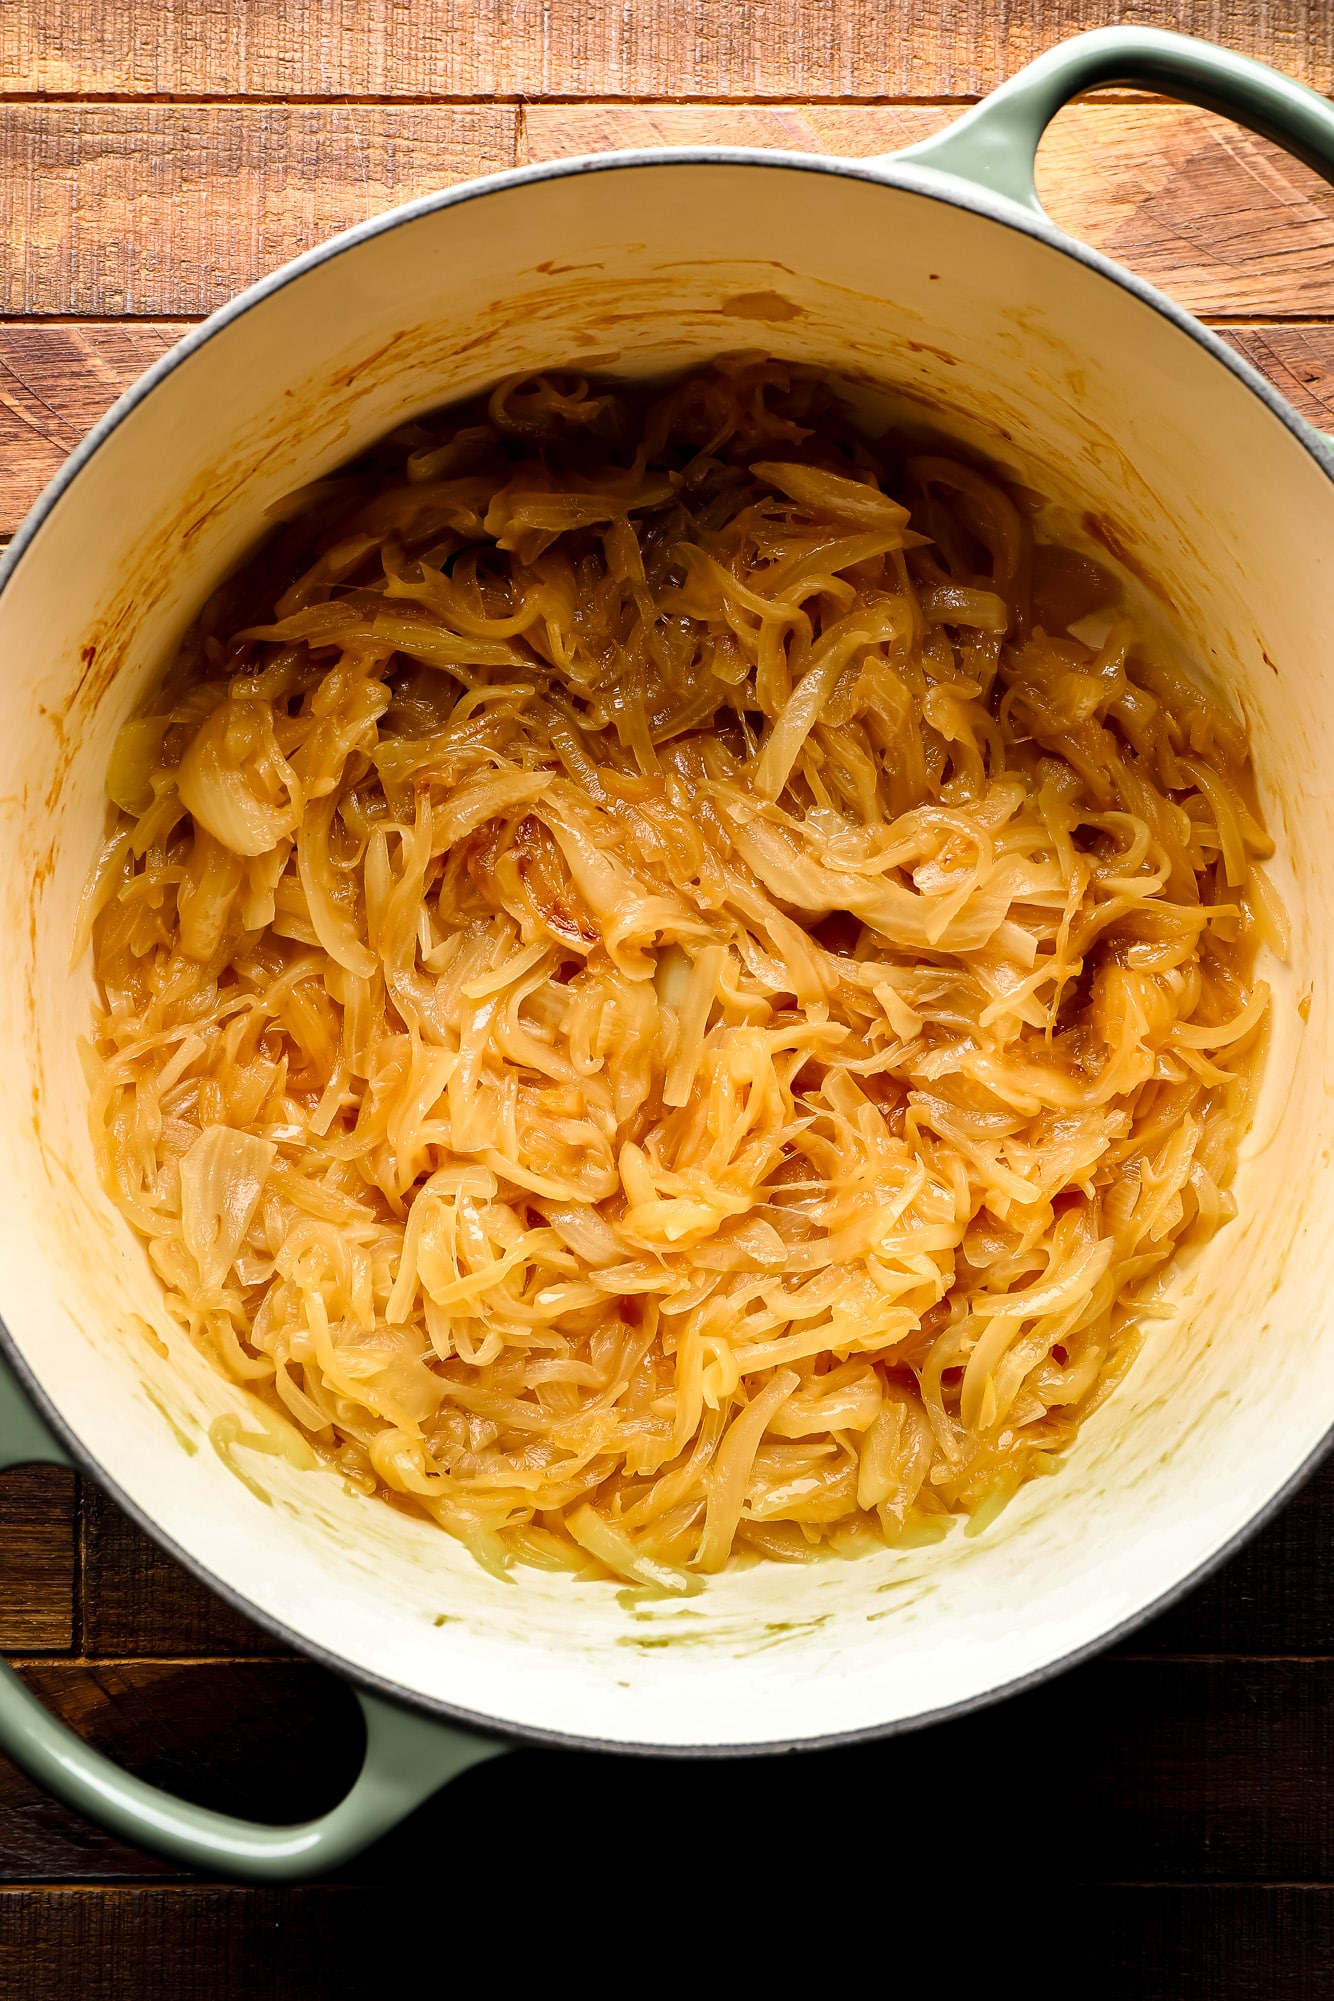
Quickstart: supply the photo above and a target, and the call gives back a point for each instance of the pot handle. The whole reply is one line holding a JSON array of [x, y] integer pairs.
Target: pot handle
[[408, 1756], [994, 144]]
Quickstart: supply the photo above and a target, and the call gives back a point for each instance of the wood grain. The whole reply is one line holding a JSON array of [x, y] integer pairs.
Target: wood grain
[[137, 1600], [169, 209], [1242, 1943], [55, 383], [562, 48], [1223, 221], [209, 1943], [38, 1526], [163, 210], [1299, 361], [328, 1942]]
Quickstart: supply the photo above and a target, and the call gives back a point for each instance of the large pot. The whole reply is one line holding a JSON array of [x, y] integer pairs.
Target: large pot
[[931, 280]]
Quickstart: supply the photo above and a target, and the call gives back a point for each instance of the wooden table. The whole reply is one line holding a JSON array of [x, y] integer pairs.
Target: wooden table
[[155, 155]]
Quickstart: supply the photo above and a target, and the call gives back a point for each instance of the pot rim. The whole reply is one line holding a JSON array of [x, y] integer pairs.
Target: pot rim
[[881, 171]]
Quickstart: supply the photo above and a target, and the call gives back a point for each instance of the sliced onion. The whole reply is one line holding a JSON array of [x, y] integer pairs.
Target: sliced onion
[[218, 788], [222, 1178]]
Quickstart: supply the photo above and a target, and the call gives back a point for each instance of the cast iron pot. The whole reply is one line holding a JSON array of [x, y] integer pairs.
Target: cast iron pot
[[933, 283]]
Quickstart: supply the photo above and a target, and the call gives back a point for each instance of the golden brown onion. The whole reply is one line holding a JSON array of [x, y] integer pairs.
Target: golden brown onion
[[658, 1004]]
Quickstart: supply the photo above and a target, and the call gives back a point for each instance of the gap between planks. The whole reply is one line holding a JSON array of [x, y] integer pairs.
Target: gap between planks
[[1320, 1884], [95, 1663], [832, 100], [196, 1885]]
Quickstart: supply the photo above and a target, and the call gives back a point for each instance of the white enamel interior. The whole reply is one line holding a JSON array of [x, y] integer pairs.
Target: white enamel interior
[[1091, 395]]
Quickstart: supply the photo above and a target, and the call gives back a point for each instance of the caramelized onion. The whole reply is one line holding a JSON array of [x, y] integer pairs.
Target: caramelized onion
[[649, 1006]]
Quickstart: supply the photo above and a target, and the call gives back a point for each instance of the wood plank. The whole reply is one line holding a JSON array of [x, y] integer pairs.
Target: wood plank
[[686, 48], [161, 210], [552, 131], [1161, 1771], [1195, 1771], [320, 1942], [38, 1508], [209, 1943], [138, 1601], [1299, 361], [169, 209], [56, 380], [274, 1740], [1198, 1944]]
